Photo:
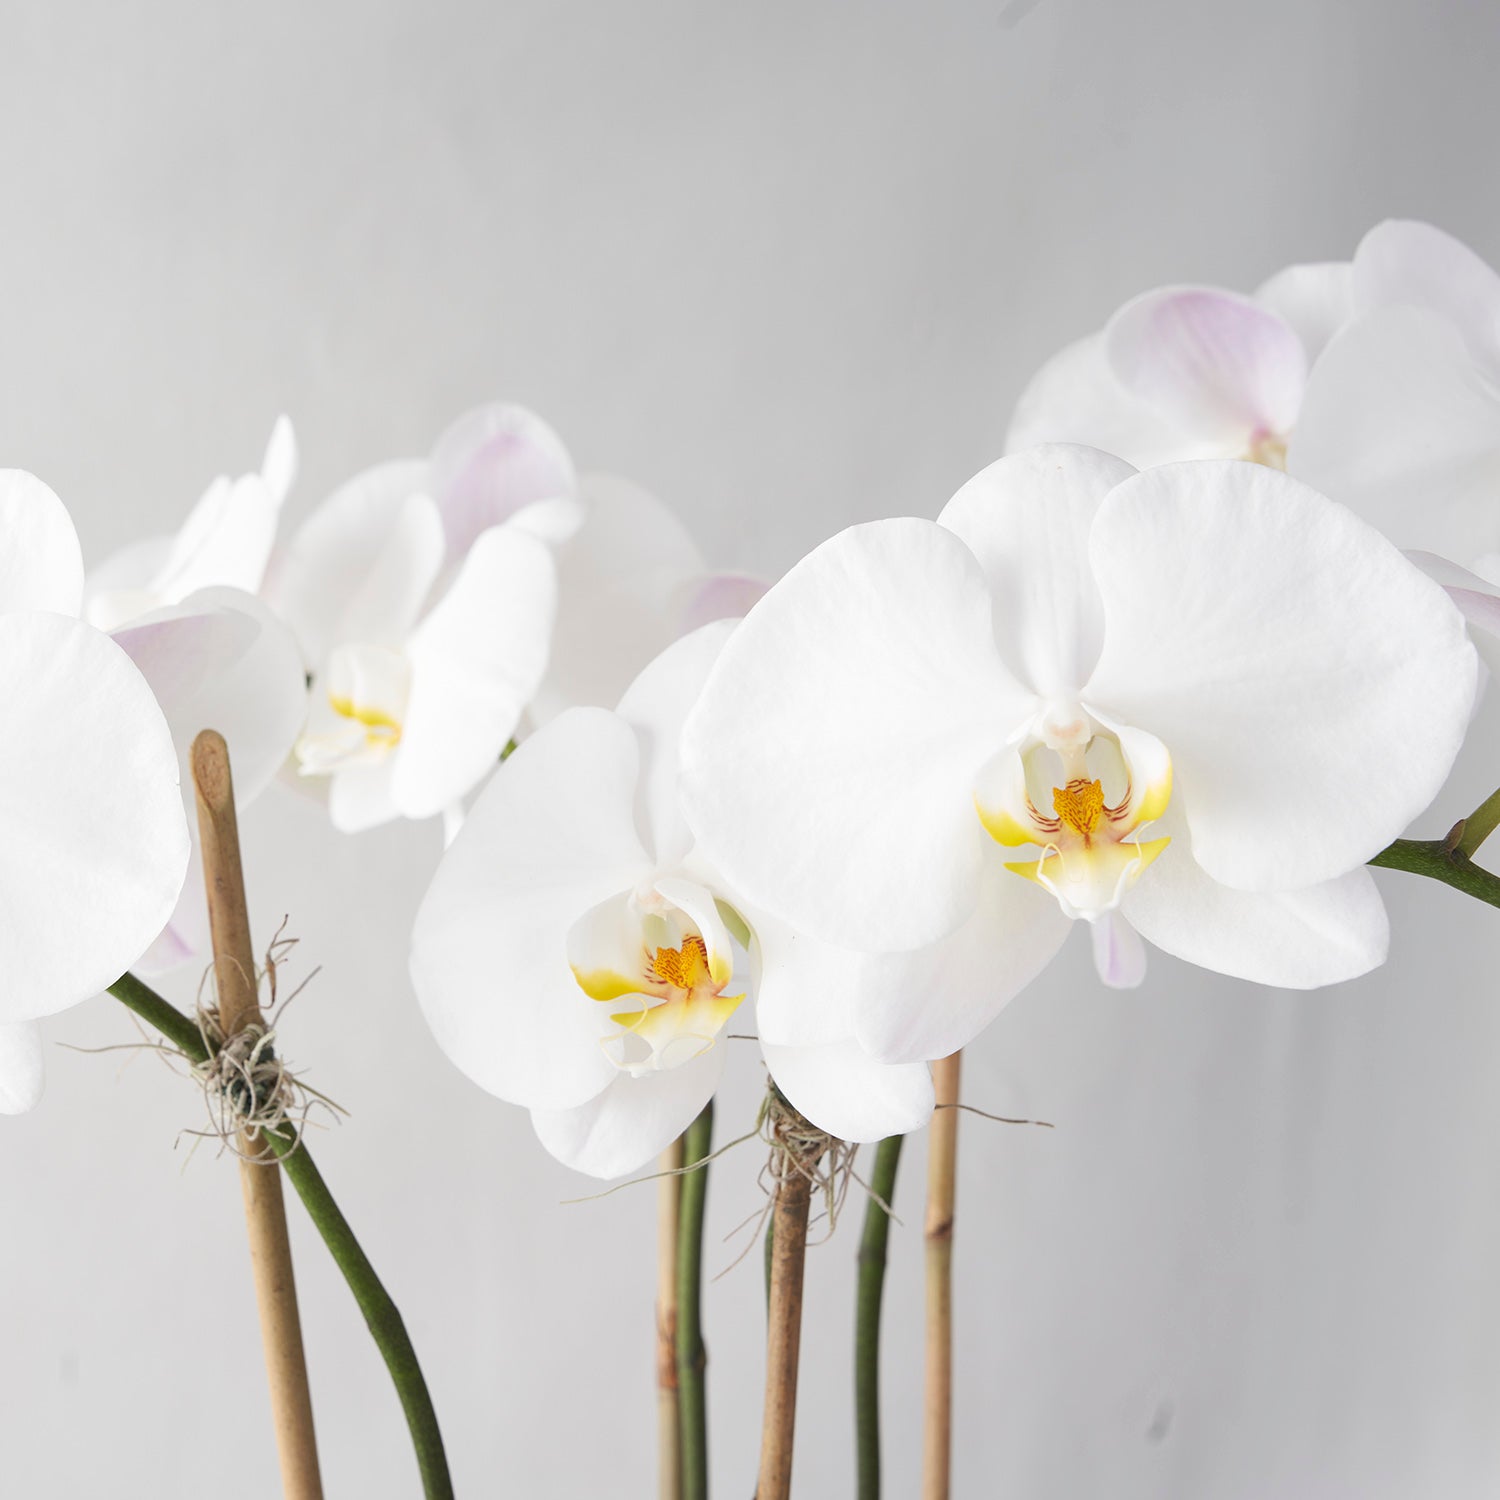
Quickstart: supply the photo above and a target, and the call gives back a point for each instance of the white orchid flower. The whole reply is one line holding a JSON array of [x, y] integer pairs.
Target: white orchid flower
[[424, 594], [96, 843], [1401, 419], [575, 955], [185, 610], [1190, 372], [225, 542], [631, 581], [1187, 703]]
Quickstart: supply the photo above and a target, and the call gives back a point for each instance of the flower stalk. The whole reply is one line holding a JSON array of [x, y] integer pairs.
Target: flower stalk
[[692, 1357], [868, 1299], [382, 1316], [669, 1424], [942, 1165]]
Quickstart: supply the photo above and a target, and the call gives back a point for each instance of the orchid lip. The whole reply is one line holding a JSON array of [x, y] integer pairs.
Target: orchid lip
[[642, 946], [1107, 782]]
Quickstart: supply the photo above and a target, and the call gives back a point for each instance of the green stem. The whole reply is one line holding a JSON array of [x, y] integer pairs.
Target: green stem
[[381, 1314], [692, 1359], [1438, 859], [1479, 825], [868, 1297]]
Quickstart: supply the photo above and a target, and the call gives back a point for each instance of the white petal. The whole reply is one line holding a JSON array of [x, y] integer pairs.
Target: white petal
[[278, 469], [806, 991], [225, 541], [911, 1007], [658, 703], [1296, 939], [621, 584], [1119, 953], [1027, 519], [322, 569], [41, 566], [1076, 398], [220, 660], [1311, 686], [633, 1121], [843, 1090], [1219, 365], [119, 589], [1314, 300], [476, 660], [1402, 425], [96, 842], [489, 464], [549, 838], [390, 597], [828, 766], [22, 1067], [1405, 263], [360, 797]]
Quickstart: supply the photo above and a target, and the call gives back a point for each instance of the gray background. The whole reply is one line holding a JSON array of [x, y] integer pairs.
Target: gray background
[[788, 264]]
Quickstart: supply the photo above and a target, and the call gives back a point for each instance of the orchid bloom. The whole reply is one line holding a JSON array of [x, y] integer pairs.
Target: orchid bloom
[[631, 581], [423, 594], [224, 543], [1186, 704], [575, 955], [184, 609], [96, 842], [1190, 372], [1401, 419]]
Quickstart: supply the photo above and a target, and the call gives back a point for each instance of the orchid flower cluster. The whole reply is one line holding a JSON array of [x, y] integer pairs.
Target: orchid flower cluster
[[1163, 670]]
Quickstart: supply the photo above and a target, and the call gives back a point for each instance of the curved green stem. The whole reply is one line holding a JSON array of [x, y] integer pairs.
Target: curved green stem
[[1479, 825], [1445, 860], [868, 1298], [381, 1314], [692, 1358]]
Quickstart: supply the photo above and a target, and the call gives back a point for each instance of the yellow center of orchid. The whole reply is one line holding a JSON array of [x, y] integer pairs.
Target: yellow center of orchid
[[382, 730], [675, 968], [1091, 849], [1080, 805], [684, 968]]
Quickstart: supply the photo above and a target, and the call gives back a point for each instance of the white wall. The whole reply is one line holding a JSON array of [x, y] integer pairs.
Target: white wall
[[788, 264]]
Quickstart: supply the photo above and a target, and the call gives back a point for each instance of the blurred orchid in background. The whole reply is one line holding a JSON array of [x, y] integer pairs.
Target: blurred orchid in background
[[225, 542], [95, 838], [423, 595], [1190, 372], [186, 611], [577, 956], [1202, 695]]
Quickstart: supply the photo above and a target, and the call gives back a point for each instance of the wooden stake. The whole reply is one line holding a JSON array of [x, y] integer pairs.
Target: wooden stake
[[260, 1181], [669, 1425], [942, 1165], [784, 1331]]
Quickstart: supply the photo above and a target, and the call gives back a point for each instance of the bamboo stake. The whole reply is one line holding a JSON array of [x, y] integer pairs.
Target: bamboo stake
[[669, 1425], [260, 1181], [784, 1326], [942, 1163]]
